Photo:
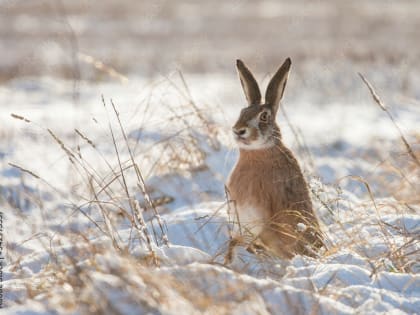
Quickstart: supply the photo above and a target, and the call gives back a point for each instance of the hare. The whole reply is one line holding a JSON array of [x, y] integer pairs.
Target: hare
[[268, 193]]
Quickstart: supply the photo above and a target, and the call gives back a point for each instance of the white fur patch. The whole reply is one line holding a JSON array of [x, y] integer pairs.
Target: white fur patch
[[254, 122], [260, 143], [250, 219]]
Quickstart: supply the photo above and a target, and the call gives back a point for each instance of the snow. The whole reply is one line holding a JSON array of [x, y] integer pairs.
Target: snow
[[57, 260]]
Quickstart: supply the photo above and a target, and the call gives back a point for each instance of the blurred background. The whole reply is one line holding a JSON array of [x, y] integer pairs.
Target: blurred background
[[147, 38], [59, 57]]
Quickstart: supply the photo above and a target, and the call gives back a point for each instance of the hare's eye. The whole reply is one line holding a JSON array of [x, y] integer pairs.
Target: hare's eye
[[264, 117]]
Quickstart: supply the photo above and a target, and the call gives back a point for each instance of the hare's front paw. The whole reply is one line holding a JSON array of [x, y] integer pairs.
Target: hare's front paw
[[235, 241], [257, 247]]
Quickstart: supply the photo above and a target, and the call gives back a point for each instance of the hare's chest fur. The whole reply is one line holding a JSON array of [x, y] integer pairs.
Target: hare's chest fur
[[250, 195]]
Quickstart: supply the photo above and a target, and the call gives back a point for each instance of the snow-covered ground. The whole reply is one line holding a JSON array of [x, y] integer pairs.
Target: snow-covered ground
[[74, 241]]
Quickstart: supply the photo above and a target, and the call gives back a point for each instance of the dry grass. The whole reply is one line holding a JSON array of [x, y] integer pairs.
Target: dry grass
[[110, 201]]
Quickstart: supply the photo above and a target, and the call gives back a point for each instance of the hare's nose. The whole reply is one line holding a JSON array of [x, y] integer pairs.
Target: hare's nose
[[239, 132]]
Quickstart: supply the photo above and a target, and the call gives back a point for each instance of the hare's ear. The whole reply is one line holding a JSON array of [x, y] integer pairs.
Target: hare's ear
[[275, 88], [249, 84]]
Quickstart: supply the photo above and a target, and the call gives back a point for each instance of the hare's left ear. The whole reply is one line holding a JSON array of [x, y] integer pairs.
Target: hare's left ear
[[276, 87], [249, 84]]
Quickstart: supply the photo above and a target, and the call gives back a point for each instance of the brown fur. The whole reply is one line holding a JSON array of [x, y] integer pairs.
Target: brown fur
[[270, 180]]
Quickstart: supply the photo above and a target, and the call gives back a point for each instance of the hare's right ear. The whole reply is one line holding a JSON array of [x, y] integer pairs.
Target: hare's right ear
[[249, 84], [277, 84]]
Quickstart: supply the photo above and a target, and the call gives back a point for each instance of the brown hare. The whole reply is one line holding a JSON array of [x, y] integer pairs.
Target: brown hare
[[268, 193]]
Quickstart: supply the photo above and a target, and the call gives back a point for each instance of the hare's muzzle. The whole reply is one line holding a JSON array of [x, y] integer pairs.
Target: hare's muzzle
[[240, 132]]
